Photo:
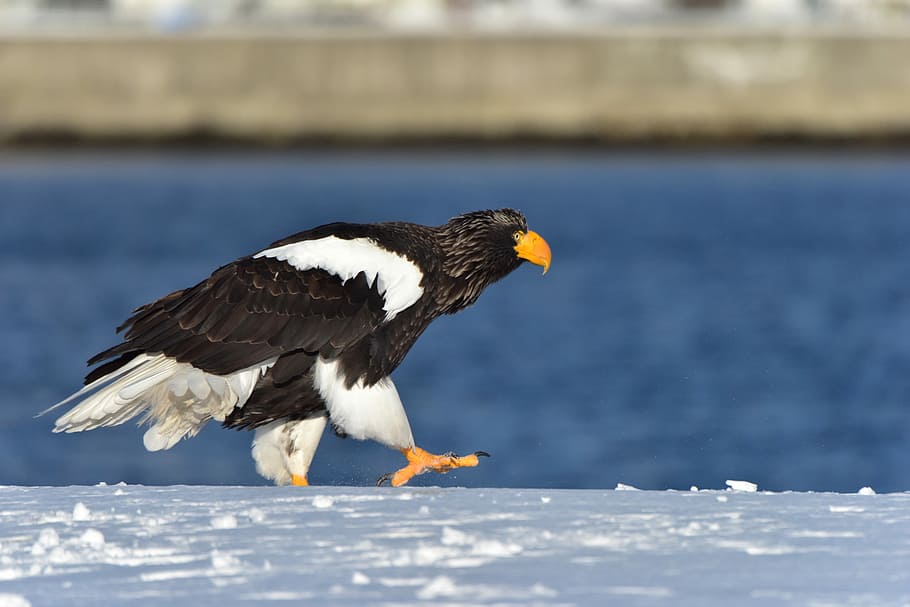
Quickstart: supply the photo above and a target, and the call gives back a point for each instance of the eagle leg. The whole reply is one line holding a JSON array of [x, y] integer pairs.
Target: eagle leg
[[420, 461], [299, 481]]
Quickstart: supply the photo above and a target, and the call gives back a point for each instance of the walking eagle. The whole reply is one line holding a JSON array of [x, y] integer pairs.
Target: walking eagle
[[303, 332]]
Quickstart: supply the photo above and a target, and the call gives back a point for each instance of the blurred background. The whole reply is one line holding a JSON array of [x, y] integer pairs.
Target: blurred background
[[725, 185]]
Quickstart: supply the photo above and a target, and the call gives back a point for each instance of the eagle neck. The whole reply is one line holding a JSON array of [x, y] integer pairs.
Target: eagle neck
[[468, 266]]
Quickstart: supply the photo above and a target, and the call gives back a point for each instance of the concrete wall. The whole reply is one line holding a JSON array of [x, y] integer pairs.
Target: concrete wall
[[632, 85]]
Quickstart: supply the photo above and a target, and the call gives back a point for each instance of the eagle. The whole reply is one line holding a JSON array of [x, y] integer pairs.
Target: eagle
[[305, 332]]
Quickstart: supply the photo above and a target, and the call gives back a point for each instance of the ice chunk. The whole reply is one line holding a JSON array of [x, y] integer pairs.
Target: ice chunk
[[226, 521], [744, 486], [439, 586], [867, 491], [495, 548], [10, 573], [359, 579], [622, 487], [541, 590], [92, 538], [256, 515], [223, 562], [454, 537], [81, 513], [47, 538], [13, 600], [323, 501]]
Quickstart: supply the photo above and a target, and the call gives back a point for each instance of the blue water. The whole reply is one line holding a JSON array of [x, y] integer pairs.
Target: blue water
[[706, 317]]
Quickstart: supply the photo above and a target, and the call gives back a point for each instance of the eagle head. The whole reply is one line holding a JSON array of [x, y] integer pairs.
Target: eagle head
[[482, 247]]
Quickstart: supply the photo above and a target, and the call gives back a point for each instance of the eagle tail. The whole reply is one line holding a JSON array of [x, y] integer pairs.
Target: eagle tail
[[175, 398]]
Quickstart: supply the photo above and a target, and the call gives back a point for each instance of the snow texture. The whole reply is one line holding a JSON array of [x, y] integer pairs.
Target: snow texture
[[135, 545]]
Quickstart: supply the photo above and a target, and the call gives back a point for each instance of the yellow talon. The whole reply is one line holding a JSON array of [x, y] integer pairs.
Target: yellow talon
[[299, 481], [420, 461]]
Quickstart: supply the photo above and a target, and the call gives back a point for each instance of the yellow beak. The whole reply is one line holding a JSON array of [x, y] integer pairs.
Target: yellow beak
[[532, 247]]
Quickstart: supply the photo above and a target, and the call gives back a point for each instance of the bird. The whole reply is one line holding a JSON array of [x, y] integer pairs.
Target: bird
[[302, 333]]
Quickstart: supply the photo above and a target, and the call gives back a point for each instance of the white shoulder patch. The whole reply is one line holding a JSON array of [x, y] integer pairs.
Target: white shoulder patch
[[398, 277]]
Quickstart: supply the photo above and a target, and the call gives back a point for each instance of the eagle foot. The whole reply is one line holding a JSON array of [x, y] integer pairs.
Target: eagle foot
[[420, 461], [299, 481]]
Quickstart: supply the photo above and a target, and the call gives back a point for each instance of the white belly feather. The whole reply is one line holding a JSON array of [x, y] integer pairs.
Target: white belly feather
[[374, 413]]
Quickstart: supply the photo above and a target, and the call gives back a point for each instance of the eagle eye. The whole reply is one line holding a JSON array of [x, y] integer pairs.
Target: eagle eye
[[516, 236]]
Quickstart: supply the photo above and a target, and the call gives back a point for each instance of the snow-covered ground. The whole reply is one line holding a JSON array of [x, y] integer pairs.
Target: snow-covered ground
[[205, 545]]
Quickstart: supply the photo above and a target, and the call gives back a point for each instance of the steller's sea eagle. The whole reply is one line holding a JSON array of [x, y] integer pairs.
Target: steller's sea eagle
[[303, 332]]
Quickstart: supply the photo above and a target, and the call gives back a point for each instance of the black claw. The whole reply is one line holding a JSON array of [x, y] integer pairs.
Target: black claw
[[384, 478], [482, 454]]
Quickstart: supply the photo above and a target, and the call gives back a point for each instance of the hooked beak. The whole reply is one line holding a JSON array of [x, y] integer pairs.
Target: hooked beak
[[532, 247]]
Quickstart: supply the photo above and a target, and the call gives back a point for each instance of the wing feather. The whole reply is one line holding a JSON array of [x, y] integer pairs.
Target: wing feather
[[253, 310]]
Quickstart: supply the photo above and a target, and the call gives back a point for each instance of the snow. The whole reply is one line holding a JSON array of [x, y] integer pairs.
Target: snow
[[204, 545]]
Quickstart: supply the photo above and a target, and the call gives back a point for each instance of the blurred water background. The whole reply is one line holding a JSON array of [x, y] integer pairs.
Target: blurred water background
[[725, 185], [707, 316]]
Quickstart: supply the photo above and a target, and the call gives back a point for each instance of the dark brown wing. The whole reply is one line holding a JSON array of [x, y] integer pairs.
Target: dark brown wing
[[248, 312]]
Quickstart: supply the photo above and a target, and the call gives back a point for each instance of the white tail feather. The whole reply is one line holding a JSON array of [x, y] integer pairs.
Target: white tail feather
[[176, 398], [107, 379], [153, 373]]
